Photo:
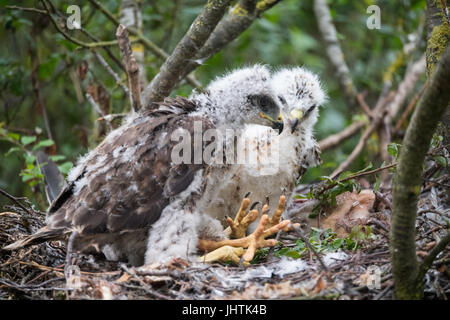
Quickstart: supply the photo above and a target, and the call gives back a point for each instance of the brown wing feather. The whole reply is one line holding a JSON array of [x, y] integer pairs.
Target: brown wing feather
[[123, 192], [179, 102], [130, 195]]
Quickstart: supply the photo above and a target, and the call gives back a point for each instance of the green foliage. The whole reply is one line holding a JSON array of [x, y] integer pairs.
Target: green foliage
[[394, 149], [322, 241], [21, 145], [287, 34]]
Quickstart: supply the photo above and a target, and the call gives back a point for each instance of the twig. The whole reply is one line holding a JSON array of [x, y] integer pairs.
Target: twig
[[357, 175], [369, 172], [359, 147], [88, 34], [148, 44], [334, 51], [240, 18], [34, 10], [131, 67], [364, 106], [300, 234], [72, 39], [145, 287], [131, 16], [98, 109], [110, 71], [383, 293], [334, 140], [14, 199], [428, 260], [383, 199], [170, 72], [112, 117], [409, 108], [405, 87]]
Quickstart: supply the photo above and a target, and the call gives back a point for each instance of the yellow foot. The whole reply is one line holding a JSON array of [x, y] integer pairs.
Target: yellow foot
[[223, 254], [238, 227], [276, 218], [253, 242]]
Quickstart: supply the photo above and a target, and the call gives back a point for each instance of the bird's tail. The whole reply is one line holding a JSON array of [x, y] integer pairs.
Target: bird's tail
[[39, 237]]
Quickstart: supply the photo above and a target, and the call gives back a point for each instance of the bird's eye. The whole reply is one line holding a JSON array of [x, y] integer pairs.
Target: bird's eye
[[309, 110], [264, 102]]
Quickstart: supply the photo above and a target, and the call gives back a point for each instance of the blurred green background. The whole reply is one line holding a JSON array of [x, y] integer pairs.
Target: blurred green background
[[287, 34]]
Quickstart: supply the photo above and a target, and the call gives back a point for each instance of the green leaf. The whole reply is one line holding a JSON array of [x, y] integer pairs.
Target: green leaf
[[57, 158], [65, 167], [377, 184], [44, 143], [370, 166], [393, 149], [29, 158], [12, 150], [13, 135], [441, 160], [293, 254], [26, 140], [327, 178]]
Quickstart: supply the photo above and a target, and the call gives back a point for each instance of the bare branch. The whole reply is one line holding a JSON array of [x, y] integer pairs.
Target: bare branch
[[14, 199], [406, 86], [98, 109], [34, 10], [241, 16], [110, 71], [378, 113], [334, 51], [409, 108], [334, 140], [428, 260], [131, 67], [148, 44], [69, 37], [172, 69], [131, 16]]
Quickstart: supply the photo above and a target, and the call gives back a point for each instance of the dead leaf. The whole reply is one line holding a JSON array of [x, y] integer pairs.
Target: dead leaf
[[123, 278], [429, 245], [352, 209], [421, 253], [320, 285]]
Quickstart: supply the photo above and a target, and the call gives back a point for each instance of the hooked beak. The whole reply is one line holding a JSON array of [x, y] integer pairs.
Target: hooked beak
[[294, 119], [275, 124]]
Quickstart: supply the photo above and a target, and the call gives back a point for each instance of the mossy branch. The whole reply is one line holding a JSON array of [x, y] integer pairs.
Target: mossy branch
[[407, 181], [172, 69], [240, 18], [428, 260]]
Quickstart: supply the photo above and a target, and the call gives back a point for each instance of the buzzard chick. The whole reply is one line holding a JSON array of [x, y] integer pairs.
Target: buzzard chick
[[128, 199]]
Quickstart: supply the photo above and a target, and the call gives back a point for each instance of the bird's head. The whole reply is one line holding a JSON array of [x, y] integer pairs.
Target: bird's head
[[300, 93], [240, 97]]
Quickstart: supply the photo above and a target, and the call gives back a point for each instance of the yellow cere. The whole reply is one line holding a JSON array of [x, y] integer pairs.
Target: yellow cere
[[296, 113]]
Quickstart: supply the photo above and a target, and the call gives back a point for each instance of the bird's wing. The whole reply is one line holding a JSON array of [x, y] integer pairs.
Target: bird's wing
[[126, 182], [177, 104], [54, 180]]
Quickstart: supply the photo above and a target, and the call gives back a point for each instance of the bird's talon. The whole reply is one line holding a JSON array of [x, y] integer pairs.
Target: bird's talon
[[238, 227], [224, 254]]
